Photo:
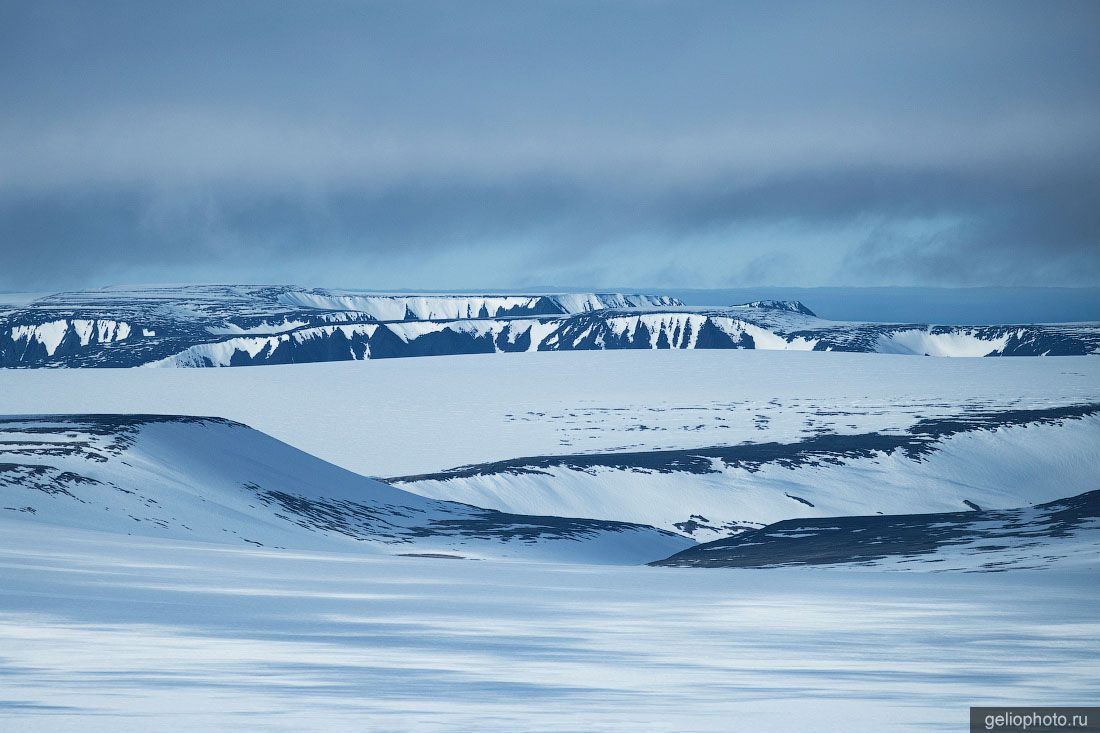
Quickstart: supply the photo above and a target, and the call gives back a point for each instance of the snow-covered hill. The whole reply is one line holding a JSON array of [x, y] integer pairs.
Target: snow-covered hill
[[213, 480], [247, 325], [982, 458], [1063, 532]]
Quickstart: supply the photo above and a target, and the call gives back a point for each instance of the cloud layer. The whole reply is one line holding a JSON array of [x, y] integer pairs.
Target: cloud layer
[[507, 144]]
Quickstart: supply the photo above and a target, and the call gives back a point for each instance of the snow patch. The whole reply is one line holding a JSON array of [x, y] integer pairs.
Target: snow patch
[[957, 343]]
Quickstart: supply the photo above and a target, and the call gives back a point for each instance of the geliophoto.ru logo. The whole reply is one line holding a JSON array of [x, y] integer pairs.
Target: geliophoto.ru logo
[[1035, 719]]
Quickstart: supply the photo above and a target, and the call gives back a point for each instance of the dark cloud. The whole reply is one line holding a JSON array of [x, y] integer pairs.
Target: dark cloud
[[497, 144]]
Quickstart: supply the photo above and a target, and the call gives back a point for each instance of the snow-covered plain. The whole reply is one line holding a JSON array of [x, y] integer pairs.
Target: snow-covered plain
[[106, 632], [406, 416]]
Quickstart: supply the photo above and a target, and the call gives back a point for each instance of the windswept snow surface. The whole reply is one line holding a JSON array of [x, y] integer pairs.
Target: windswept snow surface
[[104, 632]]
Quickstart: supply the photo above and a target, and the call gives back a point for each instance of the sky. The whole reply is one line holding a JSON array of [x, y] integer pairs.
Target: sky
[[518, 144]]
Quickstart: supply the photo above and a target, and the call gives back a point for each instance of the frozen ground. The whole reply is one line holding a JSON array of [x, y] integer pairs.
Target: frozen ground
[[407, 416], [104, 632]]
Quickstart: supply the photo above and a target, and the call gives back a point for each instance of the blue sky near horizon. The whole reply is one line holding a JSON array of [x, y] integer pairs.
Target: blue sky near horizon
[[507, 144]]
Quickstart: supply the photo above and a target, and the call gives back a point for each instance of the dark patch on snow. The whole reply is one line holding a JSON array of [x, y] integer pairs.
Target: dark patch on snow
[[701, 524], [377, 521], [433, 555], [47, 479]]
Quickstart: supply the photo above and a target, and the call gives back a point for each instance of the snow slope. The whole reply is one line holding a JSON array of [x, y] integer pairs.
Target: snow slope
[[402, 307], [1063, 532], [217, 481], [994, 460]]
